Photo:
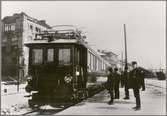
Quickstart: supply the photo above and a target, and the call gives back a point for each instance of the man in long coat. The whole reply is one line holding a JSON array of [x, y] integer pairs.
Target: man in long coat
[[136, 81], [110, 85], [117, 78]]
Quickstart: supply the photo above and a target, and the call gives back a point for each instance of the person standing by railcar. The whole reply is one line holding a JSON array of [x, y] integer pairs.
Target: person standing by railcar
[[110, 85], [117, 78], [136, 81]]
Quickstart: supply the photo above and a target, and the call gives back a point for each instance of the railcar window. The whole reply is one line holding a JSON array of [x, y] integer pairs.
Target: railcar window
[[89, 60], [78, 57], [37, 55], [64, 56], [50, 55], [100, 65], [94, 62]]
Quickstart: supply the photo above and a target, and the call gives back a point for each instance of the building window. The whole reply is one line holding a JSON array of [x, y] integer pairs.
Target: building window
[[31, 27], [12, 27], [39, 30], [9, 27], [29, 38], [50, 55], [4, 40], [6, 27], [37, 56], [14, 39], [64, 56], [36, 29]]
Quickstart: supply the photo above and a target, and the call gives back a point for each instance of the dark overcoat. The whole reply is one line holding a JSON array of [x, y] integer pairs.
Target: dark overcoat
[[110, 82], [117, 78], [136, 79]]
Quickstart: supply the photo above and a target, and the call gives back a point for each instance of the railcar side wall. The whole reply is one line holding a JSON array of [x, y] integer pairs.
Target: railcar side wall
[[97, 69]]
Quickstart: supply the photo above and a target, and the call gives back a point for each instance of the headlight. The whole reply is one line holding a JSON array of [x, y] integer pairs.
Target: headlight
[[29, 78], [68, 78], [77, 73]]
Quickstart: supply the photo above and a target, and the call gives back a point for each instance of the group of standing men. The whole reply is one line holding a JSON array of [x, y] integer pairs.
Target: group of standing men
[[130, 80]]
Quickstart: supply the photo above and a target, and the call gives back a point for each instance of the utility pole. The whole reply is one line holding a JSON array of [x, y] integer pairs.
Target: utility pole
[[126, 61], [122, 60]]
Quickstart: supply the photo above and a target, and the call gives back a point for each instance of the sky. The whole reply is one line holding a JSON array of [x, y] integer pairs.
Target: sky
[[102, 22]]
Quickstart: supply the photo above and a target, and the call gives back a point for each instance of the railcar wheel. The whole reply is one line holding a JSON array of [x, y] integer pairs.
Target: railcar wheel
[[86, 94], [28, 88], [31, 104], [75, 98]]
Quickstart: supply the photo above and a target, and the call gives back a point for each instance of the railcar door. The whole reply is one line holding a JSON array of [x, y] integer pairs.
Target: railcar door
[[81, 66]]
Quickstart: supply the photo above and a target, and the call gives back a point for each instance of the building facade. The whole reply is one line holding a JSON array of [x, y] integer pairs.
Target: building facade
[[111, 57], [16, 31], [122, 65]]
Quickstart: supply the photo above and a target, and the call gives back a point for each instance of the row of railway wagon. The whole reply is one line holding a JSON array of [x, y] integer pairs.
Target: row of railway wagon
[[63, 68]]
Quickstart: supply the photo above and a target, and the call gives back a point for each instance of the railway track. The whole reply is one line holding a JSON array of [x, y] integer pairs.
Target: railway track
[[45, 111], [56, 107], [156, 89], [153, 85]]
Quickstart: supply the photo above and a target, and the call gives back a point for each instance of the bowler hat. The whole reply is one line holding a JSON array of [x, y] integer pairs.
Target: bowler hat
[[115, 69], [134, 62]]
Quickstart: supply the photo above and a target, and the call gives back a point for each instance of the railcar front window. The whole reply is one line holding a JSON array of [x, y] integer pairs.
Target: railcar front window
[[50, 55], [37, 55], [64, 56]]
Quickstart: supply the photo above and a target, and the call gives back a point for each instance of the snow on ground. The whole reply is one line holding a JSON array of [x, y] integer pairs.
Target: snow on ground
[[13, 102], [155, 82], [12, 89], [153, 102]]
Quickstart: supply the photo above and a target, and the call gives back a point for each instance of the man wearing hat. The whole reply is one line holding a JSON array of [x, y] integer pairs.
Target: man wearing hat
[[136, 82], [117, 82], [110, 85]]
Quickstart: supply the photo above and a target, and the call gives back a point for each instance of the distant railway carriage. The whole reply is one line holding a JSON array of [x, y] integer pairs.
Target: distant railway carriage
[[62, 67]]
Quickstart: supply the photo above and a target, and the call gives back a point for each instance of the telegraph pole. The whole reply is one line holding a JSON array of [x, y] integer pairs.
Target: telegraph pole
[[126, 67], [122, 60], [126, 61]]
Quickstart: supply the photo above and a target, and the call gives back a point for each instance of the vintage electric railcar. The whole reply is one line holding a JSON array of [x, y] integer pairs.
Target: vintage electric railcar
[[62, 67]]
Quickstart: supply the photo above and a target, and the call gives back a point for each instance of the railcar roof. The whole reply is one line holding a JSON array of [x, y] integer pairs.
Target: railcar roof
[[54, 41], [68, 41]]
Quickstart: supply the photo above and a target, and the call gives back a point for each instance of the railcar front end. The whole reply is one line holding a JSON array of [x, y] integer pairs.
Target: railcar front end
[[56, 72]]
